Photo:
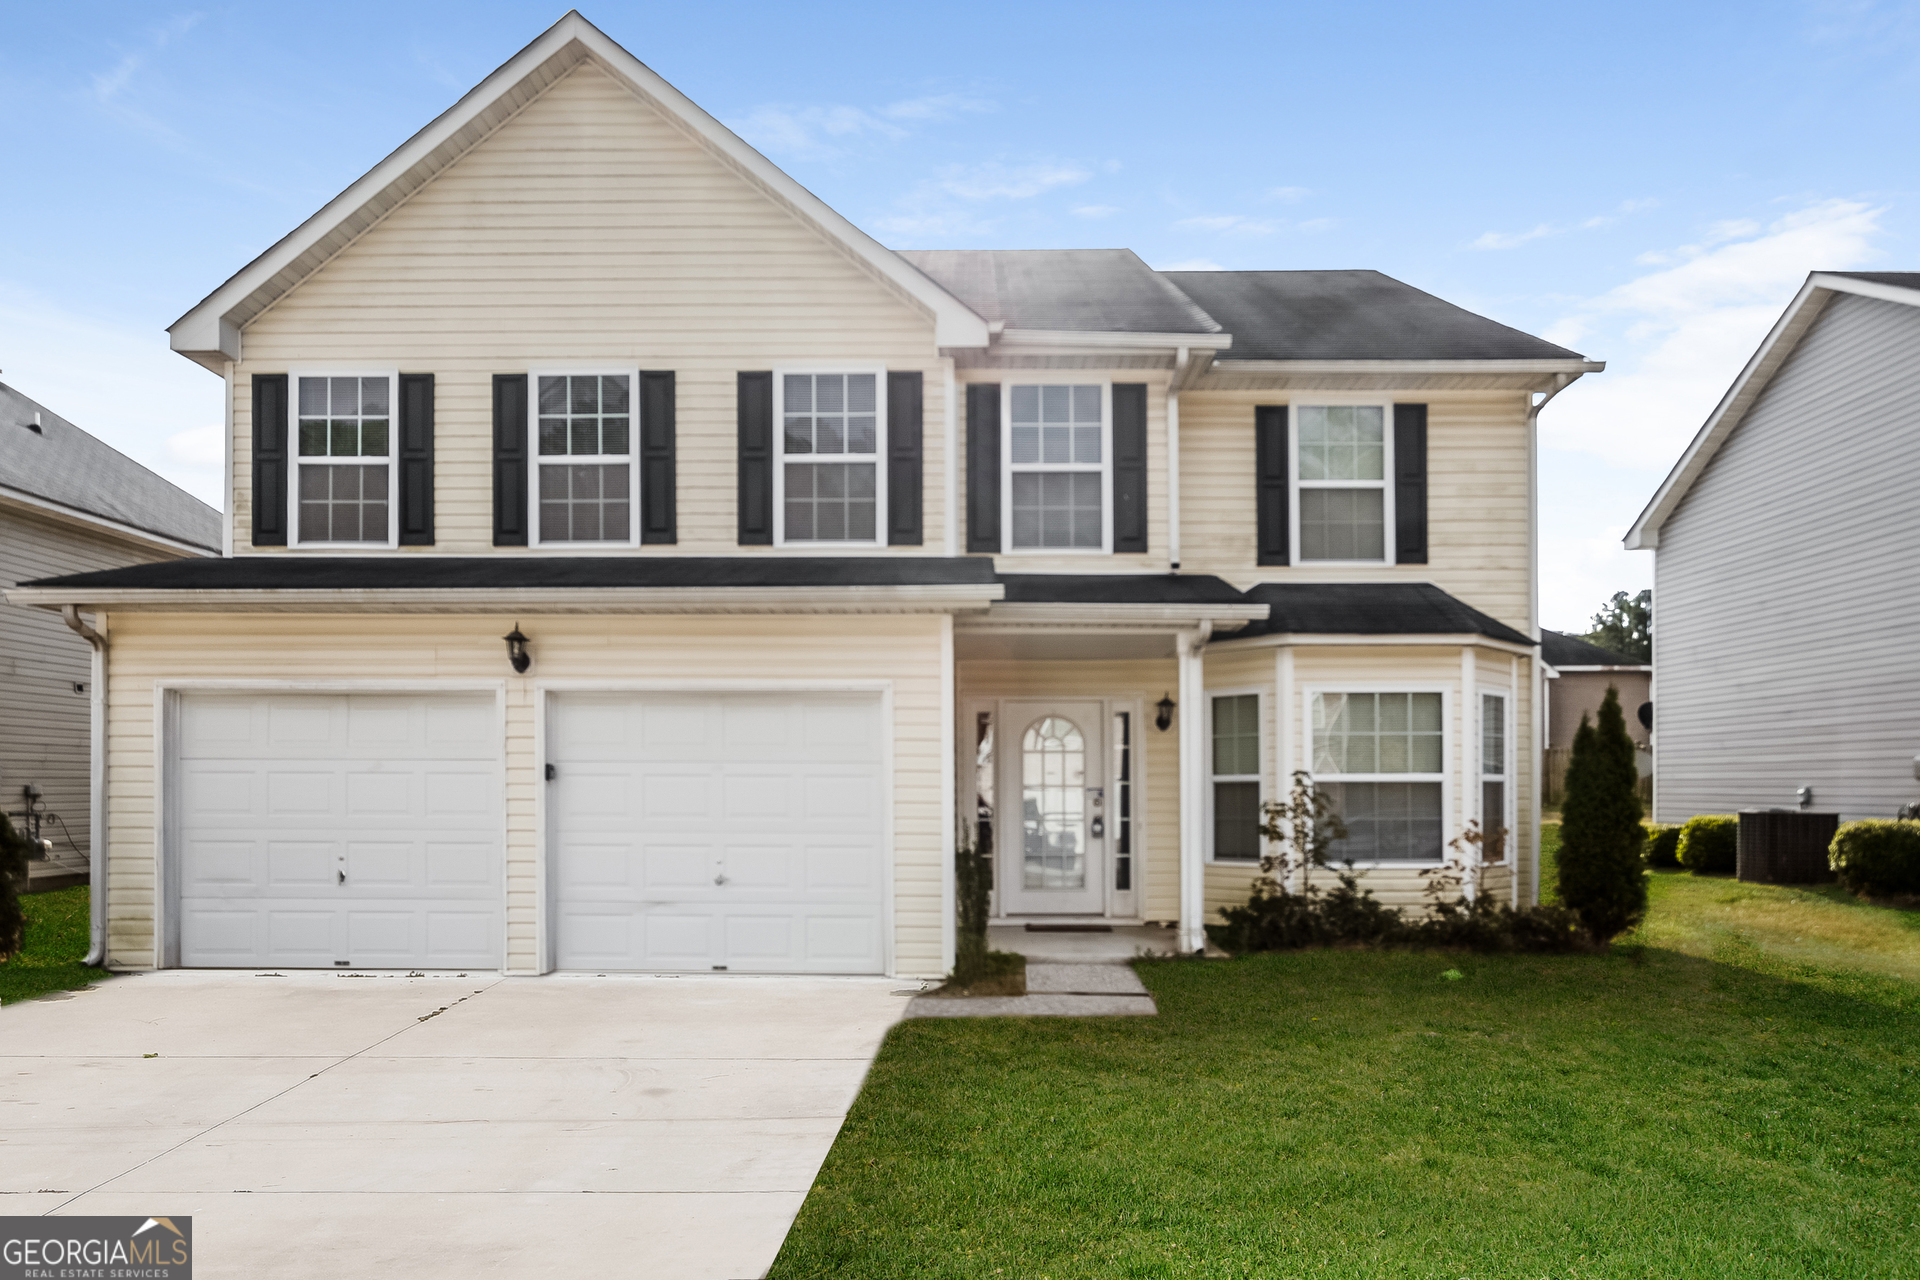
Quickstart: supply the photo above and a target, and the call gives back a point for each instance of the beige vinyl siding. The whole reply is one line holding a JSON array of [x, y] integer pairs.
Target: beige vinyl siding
[[45, 724], [1154, 560], [1328, 668], [902, 650], [1476, 497], [589, 231], [1784, 655], [1157, 839]]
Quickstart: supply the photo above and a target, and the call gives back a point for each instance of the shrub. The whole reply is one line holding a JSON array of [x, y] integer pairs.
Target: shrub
[[976, 970], [1710, 844], [1663, 844], [1602, 879], [1877, 858], [13, 874]]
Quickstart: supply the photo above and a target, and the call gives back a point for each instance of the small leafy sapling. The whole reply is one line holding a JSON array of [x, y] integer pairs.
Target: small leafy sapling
[[1303, 829]]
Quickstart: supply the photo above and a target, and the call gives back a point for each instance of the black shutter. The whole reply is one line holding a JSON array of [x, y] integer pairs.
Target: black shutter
[[659, 520], [416, 459], [1129, 466], [904, 465], [756, 459], [983, 466], [509, 459], [1272, 519], [269, 459], [1410, 484]]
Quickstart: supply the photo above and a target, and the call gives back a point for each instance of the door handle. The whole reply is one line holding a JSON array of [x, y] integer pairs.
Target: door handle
[[720, 878], [343, 877]]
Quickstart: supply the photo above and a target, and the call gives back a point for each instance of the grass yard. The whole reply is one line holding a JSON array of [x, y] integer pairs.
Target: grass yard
[[55, 944], [1733, 1092]]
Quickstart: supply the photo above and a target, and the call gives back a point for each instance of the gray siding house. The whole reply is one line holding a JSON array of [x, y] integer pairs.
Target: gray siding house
[[68, 504], [1786, 543]]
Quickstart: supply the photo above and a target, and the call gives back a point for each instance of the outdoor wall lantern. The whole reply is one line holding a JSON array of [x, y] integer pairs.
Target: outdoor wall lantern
[[517, 650], [1163, 713]]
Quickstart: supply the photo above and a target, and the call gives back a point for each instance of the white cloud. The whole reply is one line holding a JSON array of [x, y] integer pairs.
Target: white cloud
[[1676, 337], [1512, 239], [1190, 264], [1096, 210], [927, 227], [1236, 223], [943, 106], [997, 181], [1319, 224], [1288, 195], [1584, 573], [823, 131]]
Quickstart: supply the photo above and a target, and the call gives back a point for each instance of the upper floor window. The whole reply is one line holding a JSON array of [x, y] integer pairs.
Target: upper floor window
[[1342, 461], [1380, 760], [583, 478], [1058, 475], [829, 474], [345, 460]]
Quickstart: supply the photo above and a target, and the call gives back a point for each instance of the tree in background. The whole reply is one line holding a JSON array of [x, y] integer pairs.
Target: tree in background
[[1602, 877], [1626, 626]]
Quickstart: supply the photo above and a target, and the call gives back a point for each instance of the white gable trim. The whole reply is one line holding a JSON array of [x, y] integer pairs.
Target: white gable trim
[[210, 333], [1780, 343]]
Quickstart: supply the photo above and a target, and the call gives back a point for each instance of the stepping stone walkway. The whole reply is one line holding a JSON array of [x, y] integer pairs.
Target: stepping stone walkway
[[1055, 991]]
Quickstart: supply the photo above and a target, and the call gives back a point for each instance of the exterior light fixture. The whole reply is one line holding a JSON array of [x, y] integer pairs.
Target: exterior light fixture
[[517, 650], [1163, 713]]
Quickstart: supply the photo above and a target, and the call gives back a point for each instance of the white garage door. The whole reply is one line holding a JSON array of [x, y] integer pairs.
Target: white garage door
[[744, 832], [334, 831]]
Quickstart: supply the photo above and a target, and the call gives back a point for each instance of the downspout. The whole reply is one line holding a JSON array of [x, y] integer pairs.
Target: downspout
[[1173, 461], [1193, 831], [1538, 688], [97, 782]]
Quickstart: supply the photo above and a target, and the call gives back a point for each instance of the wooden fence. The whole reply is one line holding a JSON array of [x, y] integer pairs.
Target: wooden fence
[[1553, 781]]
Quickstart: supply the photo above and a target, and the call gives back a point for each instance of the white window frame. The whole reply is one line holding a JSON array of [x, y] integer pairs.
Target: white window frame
[[1258, 777], [1509, 816], [1007, 468], [880, 441], [1448, 733], [534, 456], [1385, 484], [294, 540]]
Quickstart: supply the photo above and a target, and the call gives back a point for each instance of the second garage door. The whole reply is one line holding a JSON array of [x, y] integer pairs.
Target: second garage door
[[705, 831]]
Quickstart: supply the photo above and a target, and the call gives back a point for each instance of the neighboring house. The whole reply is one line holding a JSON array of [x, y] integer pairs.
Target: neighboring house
[[1784, 543], [68, 504], [798, 532], [1579, 673]]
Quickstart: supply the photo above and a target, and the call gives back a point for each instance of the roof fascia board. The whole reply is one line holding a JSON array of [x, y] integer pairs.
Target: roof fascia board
[[1308, 639], [1636, 666], [1230, 365], [75, 516], [1865, 288], [1137, 616], [205, 329], [869, 599], [1740, 397], [1107, 339]]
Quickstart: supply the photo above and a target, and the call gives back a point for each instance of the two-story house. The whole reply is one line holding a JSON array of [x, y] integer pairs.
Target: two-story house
[[809, 558]]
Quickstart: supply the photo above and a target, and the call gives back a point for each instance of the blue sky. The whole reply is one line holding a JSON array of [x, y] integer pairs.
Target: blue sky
[[1647, 183]]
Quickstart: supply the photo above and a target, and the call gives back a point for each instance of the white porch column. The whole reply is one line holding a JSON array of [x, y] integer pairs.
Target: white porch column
[[1193, 788]]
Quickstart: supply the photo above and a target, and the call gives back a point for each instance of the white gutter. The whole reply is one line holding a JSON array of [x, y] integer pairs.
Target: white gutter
[[1134, 617], [1573, 367], [484, 600], [1173, 461], [1107, 338], [97, 781]]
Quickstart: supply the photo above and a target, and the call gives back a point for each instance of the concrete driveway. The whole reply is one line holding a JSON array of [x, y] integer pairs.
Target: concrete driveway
[[328, 1124]]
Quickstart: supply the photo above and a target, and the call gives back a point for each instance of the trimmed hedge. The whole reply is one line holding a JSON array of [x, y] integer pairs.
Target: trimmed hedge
[[1710, 844], [1663, 844], [1878, 857]]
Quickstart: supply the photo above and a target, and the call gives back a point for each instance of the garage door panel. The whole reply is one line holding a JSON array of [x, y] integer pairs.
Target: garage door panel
[[222, 937], [208, 793], [381, 937], [468, 866], [456, 794], [379, 795], [302, 864], [222, 862], [297, 937], [754, 839], [300, 795], [302, 726], [377, 867]]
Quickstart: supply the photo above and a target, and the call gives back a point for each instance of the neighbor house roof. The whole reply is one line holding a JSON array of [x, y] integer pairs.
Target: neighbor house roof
[[73, 474], [1821, 287], [1350, 315], [209, 333], [1371, 608], [1557, 649], [1070, 290]]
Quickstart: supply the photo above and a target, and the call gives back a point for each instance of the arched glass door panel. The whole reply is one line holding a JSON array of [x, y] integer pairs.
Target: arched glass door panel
[[1053, 804]]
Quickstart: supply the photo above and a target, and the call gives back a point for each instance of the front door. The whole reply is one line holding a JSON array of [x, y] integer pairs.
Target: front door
[[1053, 814]]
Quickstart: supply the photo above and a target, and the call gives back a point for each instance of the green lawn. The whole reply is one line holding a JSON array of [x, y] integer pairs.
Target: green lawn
[[56, 942], [1735, 1091]]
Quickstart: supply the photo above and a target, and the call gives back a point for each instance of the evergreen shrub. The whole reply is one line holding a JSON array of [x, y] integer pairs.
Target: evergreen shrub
[[1663, 844], [1710, 844], [1877, 858], [13, 877], [1602, 877]]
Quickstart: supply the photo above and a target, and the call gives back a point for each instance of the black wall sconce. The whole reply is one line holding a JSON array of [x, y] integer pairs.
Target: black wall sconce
[[1163, 713], [517, 650]]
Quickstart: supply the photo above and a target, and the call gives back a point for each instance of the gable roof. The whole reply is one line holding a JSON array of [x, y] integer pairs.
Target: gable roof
[[1351, 315], [63, 469], [1780, 342], [1558, 649], [210, 333], [1068, 290]]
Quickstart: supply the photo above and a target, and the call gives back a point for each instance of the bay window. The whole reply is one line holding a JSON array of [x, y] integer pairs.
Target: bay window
[[1380, 760], [1235, 730], [1493, 777]]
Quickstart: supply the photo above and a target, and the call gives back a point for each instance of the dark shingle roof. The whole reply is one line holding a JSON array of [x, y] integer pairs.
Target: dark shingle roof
[[1085, 290], [1118, 588], [1349, 315], [1558, 649], [64, 465], [1370, 608], [427, 573]]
